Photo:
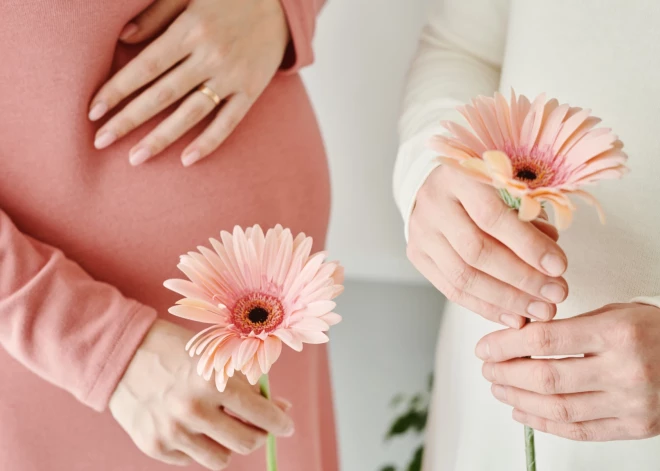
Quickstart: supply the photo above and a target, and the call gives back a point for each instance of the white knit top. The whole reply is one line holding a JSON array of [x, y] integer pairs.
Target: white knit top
[[596, 54]]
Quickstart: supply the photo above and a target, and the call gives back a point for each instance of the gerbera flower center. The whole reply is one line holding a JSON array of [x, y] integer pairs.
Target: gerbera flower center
[[258, 315], [534, 172], [257, 312], [526, 174]]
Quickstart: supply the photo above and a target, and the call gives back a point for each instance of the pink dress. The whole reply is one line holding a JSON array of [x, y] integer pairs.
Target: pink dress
[[86, 240]]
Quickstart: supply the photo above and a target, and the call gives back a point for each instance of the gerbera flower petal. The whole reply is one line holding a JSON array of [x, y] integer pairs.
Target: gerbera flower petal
[[269, 352], [529, 208], [308, 323], [310, 336], [287, 336], [439, 144], [331, 318], [252, 371], [465, 137], [498, 162], [187, 289], [198, 315], [246, 351]]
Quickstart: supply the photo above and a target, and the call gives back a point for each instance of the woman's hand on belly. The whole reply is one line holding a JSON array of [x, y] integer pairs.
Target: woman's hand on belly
[[175, 416], [232, 48], [610, 393], [477, 252]]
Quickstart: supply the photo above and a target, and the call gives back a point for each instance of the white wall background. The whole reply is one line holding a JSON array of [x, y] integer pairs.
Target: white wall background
[[385, 344], [363, 50], [384, 347]]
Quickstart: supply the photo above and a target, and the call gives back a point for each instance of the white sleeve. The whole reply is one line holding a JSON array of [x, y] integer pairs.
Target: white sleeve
[[459, 57], [650, 300]]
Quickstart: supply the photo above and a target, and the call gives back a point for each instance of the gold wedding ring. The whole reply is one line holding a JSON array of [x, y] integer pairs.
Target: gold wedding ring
[[210, 93]]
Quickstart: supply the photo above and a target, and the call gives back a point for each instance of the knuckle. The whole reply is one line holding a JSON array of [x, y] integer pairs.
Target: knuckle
[[462, 276], [188, 408], [453, 295], [194, 114], [227, 124], [540, 338], [412, 253], [165, 95], [642, 374], [124, 126], [546, 378], [158, 142], [150, 66], [173, 430], [154, 448], [561, 411], [490, 217], [579, 433], [475, 248]]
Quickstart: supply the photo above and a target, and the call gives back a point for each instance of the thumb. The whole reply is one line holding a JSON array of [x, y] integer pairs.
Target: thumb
[[152, 20]]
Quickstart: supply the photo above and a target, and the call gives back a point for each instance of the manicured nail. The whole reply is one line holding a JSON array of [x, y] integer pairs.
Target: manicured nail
[[139, 156], [97, 111], [283, 404], [105, 139], [290, 430], [483, 350], [499, 392], [128, 31], [540, 310], [519, 416], [511, 320], [190, 158], [553, 292], [553, 264]]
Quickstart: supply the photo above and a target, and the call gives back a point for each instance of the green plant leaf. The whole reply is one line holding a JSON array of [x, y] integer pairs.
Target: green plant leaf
[[388, 468], [430, 382], [416, 463], [411, 420]]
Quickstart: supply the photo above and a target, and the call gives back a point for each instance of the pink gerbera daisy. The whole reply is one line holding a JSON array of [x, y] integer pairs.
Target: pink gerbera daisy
[[533, 152], [257, 291]]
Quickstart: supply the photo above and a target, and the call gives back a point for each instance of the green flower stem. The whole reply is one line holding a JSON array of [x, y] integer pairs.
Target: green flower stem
[[530, 450], [271, 451]]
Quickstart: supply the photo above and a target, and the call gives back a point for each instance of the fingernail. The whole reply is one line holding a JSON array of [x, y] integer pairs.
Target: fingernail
[[105, 139], [97, 111], [483, 350], [553, 264], [553, 292], [540, 310], [290, 430], [190, 158], [512, 321], [128, 31], [283, 404], [519, 416], [139, 156], [499, 392]]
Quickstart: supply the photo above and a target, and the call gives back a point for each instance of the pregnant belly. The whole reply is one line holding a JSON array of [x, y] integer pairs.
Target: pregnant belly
[[127, 226]]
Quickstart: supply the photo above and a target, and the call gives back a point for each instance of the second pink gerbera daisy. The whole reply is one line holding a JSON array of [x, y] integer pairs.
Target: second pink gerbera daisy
[[258, 291], [533, 152]]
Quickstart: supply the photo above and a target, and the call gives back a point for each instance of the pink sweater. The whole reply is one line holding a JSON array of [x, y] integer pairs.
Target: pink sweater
[[86, 240]]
